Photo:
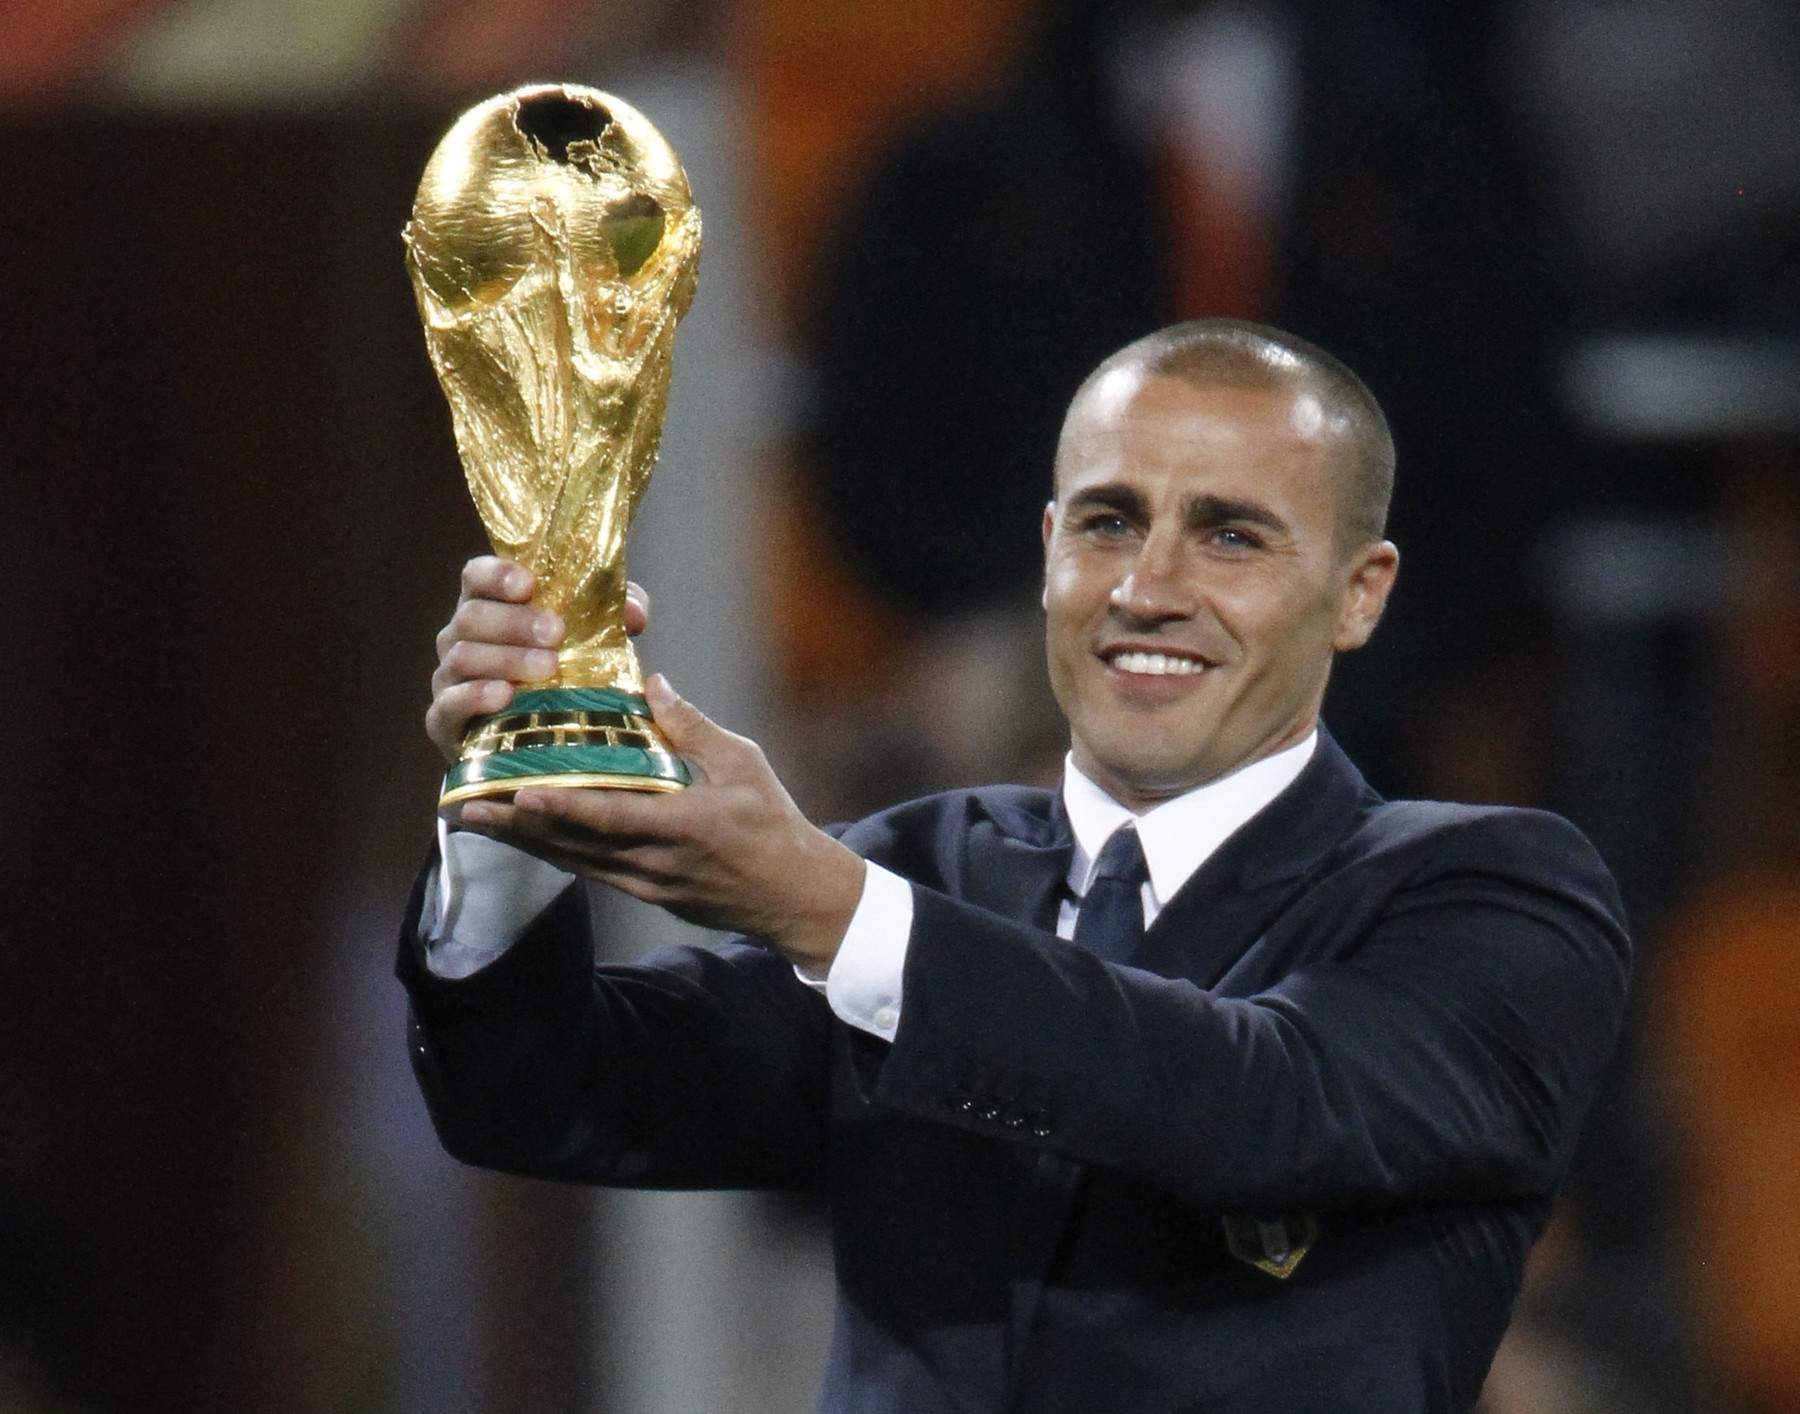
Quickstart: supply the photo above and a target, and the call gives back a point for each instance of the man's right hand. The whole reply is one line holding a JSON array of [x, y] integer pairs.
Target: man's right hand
[[496, 638]]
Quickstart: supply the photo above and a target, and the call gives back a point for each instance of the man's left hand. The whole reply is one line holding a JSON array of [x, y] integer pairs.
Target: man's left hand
[[732, 851]]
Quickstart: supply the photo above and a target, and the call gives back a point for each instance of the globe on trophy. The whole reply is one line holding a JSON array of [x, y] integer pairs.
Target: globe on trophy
[[553, 247]]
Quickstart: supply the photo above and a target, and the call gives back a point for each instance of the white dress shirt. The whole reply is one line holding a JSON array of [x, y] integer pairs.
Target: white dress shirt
[[486, 893]]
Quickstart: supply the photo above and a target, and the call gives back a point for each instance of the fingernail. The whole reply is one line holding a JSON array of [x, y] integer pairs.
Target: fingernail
[[659, 692], [530, 800], [547, 628], [517, 581], [541, 662], [478, 813], [496, 694]]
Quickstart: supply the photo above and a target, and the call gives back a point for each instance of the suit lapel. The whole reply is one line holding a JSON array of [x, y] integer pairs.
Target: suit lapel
[[1234, 896]]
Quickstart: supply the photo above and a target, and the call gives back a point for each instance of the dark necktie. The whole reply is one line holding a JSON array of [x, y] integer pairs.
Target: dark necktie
[[1110, 921]]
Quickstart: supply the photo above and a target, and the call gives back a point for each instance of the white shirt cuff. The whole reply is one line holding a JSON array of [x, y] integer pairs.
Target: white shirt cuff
[[480, 900], [864, 984]]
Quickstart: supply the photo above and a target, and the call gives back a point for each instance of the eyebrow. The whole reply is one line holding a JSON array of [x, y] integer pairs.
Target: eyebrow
[[1221, 510], [1201, 511], [1114, 497]]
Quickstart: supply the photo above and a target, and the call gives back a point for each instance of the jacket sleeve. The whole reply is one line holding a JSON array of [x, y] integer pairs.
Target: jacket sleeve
[[1449, 1051], [697, 1068]]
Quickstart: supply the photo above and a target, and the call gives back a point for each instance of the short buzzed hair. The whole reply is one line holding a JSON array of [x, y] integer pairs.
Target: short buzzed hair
[[1231, 353]]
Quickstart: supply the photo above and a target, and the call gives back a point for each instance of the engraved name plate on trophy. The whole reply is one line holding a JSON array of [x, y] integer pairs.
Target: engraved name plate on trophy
[[553, 247]]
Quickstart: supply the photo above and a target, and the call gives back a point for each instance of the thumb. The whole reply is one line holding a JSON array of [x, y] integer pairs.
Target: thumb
[[692, 733]]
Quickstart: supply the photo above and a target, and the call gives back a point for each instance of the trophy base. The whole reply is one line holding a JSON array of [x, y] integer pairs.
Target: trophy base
[[587, 737]]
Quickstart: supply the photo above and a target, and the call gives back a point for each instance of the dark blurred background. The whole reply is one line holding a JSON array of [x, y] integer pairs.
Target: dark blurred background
[[1560, 239]]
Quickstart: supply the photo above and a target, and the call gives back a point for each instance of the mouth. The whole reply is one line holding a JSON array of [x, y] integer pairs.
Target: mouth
[[1162, 662]]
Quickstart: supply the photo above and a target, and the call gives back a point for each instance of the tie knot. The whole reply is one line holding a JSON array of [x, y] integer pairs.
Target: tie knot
[[1122, 858]]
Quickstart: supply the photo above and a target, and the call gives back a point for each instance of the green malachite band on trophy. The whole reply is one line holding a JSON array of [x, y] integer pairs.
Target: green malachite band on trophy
[[518, 768], [565, 736]]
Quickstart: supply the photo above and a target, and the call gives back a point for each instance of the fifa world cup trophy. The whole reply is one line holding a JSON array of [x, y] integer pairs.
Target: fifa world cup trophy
[[553, 247]]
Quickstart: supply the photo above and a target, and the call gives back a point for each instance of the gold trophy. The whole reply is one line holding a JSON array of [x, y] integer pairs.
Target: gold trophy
[[553, 246]]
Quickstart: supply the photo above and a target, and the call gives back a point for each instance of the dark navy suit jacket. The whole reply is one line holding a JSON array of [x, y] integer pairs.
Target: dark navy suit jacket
[[1385, 1019]]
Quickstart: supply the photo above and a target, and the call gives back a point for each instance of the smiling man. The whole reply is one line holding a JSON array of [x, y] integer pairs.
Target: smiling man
[[1209, 1082], [1216, 537]]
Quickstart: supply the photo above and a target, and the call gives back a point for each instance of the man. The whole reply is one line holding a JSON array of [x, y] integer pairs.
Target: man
[[1210, 1082]]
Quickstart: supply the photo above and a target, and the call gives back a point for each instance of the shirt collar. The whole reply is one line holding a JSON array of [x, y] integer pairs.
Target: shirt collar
[[1180, 834]]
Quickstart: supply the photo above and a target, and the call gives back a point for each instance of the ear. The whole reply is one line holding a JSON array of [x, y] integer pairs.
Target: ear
[[1368, 580], [1049, 521]]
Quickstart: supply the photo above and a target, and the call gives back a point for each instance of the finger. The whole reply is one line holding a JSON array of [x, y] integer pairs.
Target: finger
[[535, 844], [693, 734], [620, 818], [447, 719], [574, 846], [637, 608], [491, 577], [489, 621], [466, 661]]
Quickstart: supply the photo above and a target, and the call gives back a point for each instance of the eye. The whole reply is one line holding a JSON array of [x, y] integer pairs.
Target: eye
[[1104, 525], [1234, 538]]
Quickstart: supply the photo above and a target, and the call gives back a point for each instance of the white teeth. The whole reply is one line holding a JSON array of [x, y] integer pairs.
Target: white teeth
[[1156, 664]]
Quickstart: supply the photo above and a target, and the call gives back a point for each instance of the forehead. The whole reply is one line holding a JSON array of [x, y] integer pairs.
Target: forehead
[[1133, 426]]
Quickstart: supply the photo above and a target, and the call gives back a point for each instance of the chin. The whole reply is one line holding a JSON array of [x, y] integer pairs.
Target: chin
[[1150, 775]]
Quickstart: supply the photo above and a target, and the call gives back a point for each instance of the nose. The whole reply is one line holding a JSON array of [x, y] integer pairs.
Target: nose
[[1156, 586]]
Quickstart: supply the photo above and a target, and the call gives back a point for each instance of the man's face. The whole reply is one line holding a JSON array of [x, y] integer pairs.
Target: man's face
[[1194, 584]]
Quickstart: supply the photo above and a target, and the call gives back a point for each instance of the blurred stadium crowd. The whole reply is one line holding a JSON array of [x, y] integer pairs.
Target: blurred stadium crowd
[[1559, 238]]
